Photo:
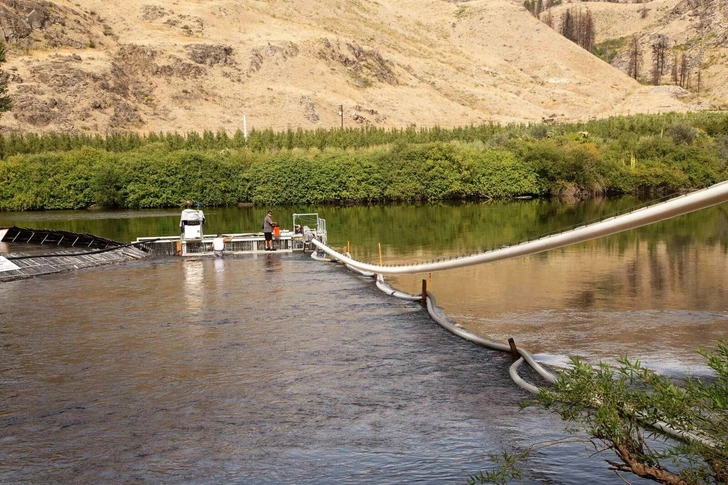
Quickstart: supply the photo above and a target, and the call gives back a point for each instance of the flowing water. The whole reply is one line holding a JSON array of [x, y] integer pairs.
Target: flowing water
[[279, 369]]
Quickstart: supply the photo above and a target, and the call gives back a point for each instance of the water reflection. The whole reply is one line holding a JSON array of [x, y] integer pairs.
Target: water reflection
[[602, 301], [578, 300], [219, 267], [276, 368], [243, 388], [194, 290], [273, 266]]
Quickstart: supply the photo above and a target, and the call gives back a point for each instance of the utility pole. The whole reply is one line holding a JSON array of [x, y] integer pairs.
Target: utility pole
[[245, 128], [341, 115]]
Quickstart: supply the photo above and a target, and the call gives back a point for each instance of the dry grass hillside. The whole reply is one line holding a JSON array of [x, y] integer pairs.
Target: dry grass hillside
[[693, 30], [96, 66]]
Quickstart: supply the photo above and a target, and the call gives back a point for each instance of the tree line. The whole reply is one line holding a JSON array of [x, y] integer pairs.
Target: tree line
[[268, 140], [657, 153], [576, 24]]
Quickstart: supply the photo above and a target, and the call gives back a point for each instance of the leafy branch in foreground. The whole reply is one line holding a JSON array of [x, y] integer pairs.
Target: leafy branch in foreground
[[506, 468], [672, 433]]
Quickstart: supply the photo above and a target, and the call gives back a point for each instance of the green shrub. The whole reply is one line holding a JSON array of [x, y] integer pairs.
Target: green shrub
[[617, 155]]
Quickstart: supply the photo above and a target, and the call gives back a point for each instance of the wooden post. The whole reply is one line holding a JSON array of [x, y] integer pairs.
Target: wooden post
[[424, 292], [514, 350], [179, 248]]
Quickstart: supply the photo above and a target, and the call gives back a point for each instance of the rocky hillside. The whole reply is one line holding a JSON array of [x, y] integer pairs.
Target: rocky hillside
[[693, 35], [94, 66]]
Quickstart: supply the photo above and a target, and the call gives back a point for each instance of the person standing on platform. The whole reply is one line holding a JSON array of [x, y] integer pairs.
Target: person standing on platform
[[268, 231]]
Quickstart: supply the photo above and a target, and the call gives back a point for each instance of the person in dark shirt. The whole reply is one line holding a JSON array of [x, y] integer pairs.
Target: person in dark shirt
[[268, 231]]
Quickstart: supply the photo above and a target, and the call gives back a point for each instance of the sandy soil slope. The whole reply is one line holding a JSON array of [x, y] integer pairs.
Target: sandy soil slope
[[93, 66]]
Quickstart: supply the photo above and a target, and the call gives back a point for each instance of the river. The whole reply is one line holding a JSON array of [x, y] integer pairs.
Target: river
[[279, 369]]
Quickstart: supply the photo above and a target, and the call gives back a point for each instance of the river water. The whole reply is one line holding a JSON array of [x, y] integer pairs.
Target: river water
[[279, 369]]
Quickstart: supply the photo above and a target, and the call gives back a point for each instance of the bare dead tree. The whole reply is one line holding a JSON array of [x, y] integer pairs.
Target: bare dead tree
[[698, 88], [661, 48], [658, 59], [635, 57], [587, 29], [674, 71], [578, 27], [549, 19], [534, 6], [684, 72], [567, 25]]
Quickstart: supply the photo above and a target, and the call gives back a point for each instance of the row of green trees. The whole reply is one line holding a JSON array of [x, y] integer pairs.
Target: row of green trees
[[157, 177], [711, 123], [620, 155]]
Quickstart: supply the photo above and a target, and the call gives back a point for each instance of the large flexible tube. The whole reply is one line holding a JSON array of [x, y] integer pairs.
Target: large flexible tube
[[316, 257], [363, 273], [536, 366], [386, 288], [513, 372], [441, 319], [713, 195]]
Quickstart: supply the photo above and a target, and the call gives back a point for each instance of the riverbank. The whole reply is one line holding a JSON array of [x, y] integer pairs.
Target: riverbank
[[626, 155]]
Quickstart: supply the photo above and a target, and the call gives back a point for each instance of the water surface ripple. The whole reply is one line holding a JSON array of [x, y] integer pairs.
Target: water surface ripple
[[251, 369]]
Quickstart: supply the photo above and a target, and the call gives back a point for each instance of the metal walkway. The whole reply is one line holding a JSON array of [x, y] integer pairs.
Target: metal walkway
[[62, 251], [50, 237]]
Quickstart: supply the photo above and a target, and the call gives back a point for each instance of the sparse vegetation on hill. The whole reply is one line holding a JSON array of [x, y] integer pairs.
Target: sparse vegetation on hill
[[678, 42], [94, 66], [5, 101]]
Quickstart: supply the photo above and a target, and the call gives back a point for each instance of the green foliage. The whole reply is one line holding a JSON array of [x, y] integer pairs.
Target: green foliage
[[619, 409], [507, 468], [712, 124], [682, 133], [721, 142], [680, 165], [564, 161], [619, 155], [609, 49], [629, 409], [497, 174], [180, 175]]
